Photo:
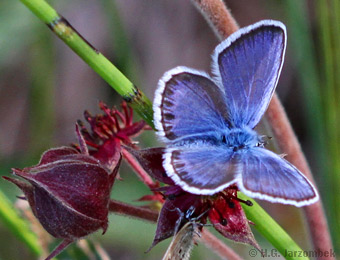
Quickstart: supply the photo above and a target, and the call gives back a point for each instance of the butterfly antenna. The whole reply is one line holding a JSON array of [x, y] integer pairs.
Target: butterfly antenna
[[247, 202]]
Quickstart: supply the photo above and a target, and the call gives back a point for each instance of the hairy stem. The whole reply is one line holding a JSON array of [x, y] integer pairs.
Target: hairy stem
[[219, 16]]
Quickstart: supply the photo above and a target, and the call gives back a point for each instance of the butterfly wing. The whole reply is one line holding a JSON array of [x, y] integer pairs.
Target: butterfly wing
[[182, 243], [200, 168], [188, 104], [265, 175], [248, 65]]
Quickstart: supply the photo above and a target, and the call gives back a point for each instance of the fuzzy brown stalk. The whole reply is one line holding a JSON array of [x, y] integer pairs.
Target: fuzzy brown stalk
[[223, 22], [218, 17]]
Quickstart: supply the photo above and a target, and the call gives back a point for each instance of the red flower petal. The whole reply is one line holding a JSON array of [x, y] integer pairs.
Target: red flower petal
[[229, 219]]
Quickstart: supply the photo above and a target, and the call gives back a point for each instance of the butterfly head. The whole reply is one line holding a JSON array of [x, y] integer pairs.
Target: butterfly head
[[241, 138]]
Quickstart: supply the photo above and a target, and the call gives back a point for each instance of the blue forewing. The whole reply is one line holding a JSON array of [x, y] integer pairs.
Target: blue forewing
[[188, 104], [194, 113], [248, 65]]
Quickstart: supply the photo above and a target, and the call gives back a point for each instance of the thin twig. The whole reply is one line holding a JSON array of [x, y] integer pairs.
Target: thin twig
[[219, 16]]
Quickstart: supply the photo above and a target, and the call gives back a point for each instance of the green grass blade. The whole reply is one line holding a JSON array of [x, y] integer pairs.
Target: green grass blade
[[17, 225], [328, 36], [299, 35]]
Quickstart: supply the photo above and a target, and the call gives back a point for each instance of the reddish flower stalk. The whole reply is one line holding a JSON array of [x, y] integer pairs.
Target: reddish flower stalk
[[224, 24], [143, 175], [133, 211]]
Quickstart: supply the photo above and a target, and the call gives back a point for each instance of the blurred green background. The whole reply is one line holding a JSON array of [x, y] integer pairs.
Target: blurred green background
[[45, 87]]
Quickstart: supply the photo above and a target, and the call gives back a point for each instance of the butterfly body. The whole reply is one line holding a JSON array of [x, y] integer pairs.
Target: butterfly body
[[208, 122], [238, 139]]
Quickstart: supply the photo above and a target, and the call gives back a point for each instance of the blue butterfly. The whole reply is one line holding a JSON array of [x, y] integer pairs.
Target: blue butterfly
[[208, 122]]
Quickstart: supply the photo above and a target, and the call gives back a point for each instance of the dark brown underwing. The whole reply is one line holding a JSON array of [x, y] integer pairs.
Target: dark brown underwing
[[182, 243]]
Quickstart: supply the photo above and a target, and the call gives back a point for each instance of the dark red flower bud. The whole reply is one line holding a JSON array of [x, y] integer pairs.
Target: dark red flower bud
[[68, 192]]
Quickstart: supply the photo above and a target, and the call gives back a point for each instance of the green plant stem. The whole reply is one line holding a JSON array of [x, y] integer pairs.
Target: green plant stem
[[272, 231], [17, 225], [93, 58]]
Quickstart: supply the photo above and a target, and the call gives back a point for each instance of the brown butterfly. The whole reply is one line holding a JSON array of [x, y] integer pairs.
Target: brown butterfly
[[183, 242]]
